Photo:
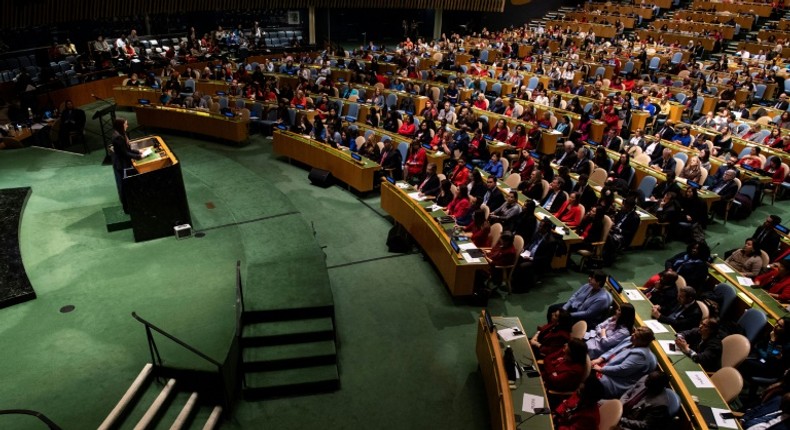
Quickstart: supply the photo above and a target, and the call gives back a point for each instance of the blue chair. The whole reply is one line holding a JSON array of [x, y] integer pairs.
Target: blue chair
[[240, 104], [368, 134], [464, 68], [654, 63], [353, 112], [697, 110], [588, 107], [741, 129], [752, 322], [223, 102], [726, 293], [680, 97], [533, 83], [403, 148], [787, 85], [188, 89], [677, 57], [392, 100], [745, 151], [759, 92], [647, 185], [497, 88], [484, 56], [628, 68], [674, 402], [682, 156], [292, 115], [600, 71]]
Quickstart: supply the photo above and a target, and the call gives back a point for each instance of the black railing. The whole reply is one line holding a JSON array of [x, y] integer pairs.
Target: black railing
[[43, 418], [239, 316], [155, 357]]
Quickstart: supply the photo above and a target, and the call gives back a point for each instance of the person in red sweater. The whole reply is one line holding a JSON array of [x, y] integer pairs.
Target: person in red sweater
[[299, 100], [776, 281], [408, 128], [502, 254], [563, 370], [519, 137], [571, 211], [416, 161], [460, 204], [460, 174], [552, 336], [580, 411], [479, 229], [500, 131]]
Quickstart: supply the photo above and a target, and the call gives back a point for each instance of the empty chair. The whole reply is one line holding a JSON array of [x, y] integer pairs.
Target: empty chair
[[752, 322], [532, 83], [729, 382], [677, 57], [484, 56], [735, 349], [579, 329], [610, 412], [628, 68], [239, 103], [654, 63], [759, 91], [513, 180], [353, 112], [726, 293], [647, 185], [682, 156]]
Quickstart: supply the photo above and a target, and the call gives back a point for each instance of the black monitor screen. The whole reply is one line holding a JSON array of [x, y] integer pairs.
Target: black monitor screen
[[592, 142], [782, 228], [748, 167], [693, 184], [220, 93], [144, 101], [544, 126], [616, 285], [356, 156], [455, 246], [489, 321], [390, 179], [427, 147], [229, 114]]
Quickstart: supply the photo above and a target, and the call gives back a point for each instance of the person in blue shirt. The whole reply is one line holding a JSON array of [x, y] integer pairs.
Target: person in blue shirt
[[460, 139], [589, 303], [683, 138], [646, 106], [494, 166]]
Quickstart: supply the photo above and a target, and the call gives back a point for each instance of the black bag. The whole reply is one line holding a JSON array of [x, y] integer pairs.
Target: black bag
[[398, 240]]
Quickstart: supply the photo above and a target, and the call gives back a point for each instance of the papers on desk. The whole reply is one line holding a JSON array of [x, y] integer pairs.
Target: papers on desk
[[506, 189], [700, 379], [146, 152], [417, 196], [508, 334], [531, 402], [665, 346], [434, 207], [643, 214], [466, 246], [723, 267], [526, 254], [402, 185], [540, 215], [469, 259], [560, 230], [728, 423], [597, 188], [634, 296], [746, 282], [38, 126], [656, 326]]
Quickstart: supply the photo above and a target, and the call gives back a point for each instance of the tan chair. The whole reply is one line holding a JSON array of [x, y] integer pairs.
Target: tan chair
[[703, 309], [494, 233], [486, 210], [729, 382], [245, 114], [513, 180], [454, 190], [507, 271], [598, 176], [380, 144], [681, 282], [703, 175], [545, 188], [441, 177], [764, 256], [610, 411], [679, 165], [505, 167], [360, 140], [774, 189], [635, 151], [735, 349], [597, 251], [579, 329], [642, 159], [764, 120]]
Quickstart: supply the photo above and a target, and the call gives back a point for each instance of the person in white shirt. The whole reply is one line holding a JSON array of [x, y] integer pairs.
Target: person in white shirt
[[541, 99]]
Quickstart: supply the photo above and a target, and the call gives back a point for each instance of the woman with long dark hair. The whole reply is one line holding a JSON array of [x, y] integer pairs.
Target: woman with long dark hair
[[122, 156], [611, 332]]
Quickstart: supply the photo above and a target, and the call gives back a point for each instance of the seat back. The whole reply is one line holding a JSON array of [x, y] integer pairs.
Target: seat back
[[673, 401], [679, 164], [607, 225], [729, 382], [752, 322], [682, 156], [703, 309], [647, 185], [494, 233], [727, 294], [735, 349], [598, 176], [703, 175], [610, 412], [579, 329], [643, 159], [545, 184], [513, 180]]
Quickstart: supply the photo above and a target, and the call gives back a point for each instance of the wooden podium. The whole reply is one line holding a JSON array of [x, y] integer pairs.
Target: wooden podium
[[155, 193]]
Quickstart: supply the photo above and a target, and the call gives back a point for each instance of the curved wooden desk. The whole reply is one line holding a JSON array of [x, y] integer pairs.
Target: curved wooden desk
[[193, 121]]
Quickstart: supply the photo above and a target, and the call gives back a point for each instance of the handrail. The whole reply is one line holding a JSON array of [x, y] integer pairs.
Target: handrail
[[43, 418], [149, 325]]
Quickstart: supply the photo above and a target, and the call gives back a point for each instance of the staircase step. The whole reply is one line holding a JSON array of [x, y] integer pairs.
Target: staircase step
[[291, 382], [278, 357], [283, 332], [254, 316], [183, 418], [133, 391], [156, 407]]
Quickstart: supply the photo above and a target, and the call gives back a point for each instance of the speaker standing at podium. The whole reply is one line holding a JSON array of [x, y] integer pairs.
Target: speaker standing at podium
[[122, 155]]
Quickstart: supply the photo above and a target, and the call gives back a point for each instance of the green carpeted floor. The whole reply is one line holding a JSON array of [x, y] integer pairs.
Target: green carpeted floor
[[406, 347]]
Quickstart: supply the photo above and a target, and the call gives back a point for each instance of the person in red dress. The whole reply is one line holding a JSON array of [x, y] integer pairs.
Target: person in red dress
[[563, 370], [580, 410]]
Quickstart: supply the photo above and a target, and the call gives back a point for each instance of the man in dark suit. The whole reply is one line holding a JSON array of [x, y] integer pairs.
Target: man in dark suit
[[72, 120], [587, 196], [702, 344], [431, 184], [766, 237], [685, 316], [612, 141], [536, 257], [666, 131], [782, 104], [568, 156], [493, 197], [625, 224], [726, 188], [666, 163], [556, 197]]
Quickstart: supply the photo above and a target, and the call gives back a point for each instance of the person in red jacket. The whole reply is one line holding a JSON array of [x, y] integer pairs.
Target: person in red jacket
[[416, 160], [408, 128], [460, 174], [571, 211], [460, 204], [502, 254], [552, 336], [564, 369], [776, 280], [580, 411], [479, 229]]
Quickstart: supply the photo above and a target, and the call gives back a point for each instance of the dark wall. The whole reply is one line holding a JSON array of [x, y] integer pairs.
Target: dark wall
[[347, 26], [514, 15]]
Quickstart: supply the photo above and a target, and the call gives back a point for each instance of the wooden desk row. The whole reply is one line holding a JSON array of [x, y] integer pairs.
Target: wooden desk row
[[727, 31], [678, 38], [739, 144], [193, 121], [627, 21], [674, 365], [760, 9], [755, 48], [644, 12], [356, 174], [752, 297], [600, 30], [745, 21]]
